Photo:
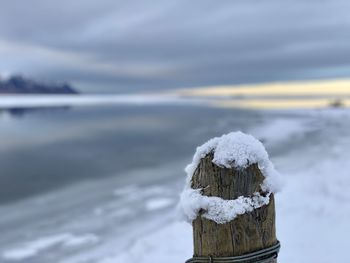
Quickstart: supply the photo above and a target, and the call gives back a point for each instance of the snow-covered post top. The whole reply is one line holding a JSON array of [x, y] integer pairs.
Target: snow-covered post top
[[229, 198]]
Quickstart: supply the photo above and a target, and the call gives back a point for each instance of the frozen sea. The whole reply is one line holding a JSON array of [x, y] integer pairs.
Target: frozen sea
[[100, 184]]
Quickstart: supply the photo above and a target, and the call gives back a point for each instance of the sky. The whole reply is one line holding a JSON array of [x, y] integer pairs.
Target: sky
[[118, 46]]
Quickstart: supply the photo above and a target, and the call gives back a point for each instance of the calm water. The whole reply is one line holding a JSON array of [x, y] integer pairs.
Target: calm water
[[45, 150]]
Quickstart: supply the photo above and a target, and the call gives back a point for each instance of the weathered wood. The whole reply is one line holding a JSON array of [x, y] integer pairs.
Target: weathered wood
[[246, 233]]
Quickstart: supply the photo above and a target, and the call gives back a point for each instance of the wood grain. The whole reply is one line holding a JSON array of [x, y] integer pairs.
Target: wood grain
[[246, 233]]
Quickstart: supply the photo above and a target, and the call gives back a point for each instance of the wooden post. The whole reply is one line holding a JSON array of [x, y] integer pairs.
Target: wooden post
[[247, 233]]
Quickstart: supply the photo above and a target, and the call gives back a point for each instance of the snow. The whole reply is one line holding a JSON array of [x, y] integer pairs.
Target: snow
[[126, 190], [217, 209], [158, 203], [32, 248], [172, 243], [233, 150], [289, 128], [58, 100], [237, 150]]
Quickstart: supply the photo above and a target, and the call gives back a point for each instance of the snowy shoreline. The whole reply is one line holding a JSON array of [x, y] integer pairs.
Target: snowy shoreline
[[313, 199], [40, 101], [9, 101]]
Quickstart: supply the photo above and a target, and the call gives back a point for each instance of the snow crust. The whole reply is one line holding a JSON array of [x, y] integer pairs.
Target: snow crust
[[217, 209], [233, 150], [32, 248], [156, 247], [158, 203]]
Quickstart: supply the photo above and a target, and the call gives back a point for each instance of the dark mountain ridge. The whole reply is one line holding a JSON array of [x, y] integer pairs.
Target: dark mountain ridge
[[21, 85]]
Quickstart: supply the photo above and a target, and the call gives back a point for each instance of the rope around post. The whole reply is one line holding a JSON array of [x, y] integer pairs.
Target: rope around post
[[260, 256]]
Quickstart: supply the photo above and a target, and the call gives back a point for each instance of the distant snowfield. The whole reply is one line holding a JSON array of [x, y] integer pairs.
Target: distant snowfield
[[47, 101], [36, 101]]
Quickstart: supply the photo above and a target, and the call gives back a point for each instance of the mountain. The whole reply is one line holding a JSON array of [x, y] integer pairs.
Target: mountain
[[21, 85]]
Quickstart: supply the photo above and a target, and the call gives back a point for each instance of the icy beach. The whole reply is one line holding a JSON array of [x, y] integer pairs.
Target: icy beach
[[131, 217], [313, 208]]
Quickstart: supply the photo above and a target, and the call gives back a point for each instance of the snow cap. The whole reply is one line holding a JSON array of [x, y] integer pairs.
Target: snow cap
[[233, 150]]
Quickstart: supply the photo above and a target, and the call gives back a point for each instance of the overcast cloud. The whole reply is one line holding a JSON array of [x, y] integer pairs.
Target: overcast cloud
[[121, 46]]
